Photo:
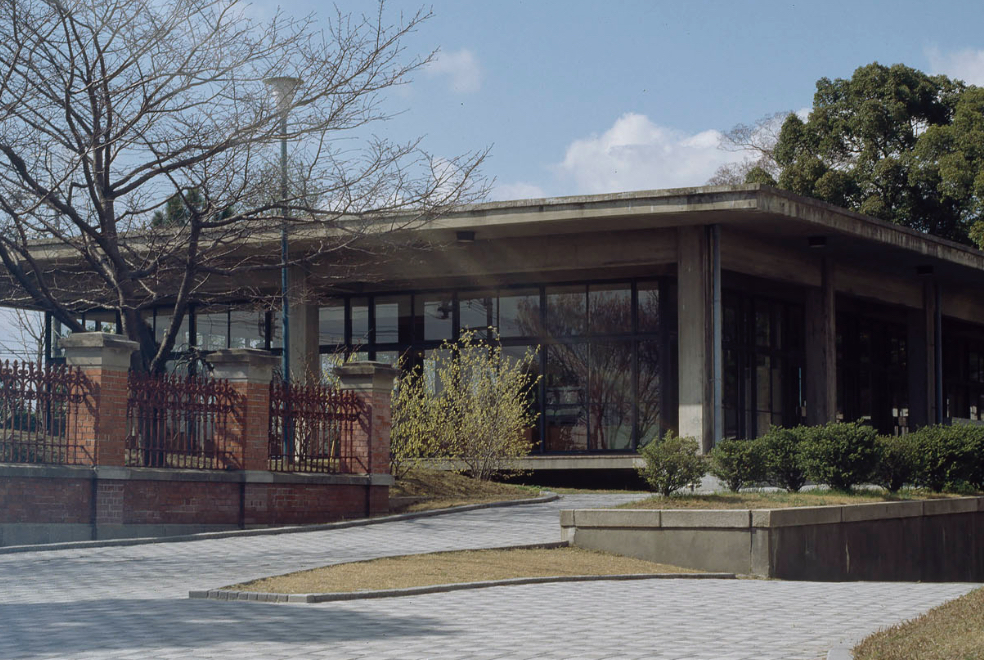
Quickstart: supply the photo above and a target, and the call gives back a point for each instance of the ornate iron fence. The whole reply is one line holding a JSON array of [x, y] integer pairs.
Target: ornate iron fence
[[182, 422], [39, 414], [312, 428]]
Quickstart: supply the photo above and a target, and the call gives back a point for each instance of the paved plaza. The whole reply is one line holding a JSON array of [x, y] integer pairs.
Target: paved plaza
[[131, 602]]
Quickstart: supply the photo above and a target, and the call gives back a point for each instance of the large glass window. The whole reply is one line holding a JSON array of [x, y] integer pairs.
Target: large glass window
[[247, 328], [212, 329], [963, 370], [602, 348], [872, 370]]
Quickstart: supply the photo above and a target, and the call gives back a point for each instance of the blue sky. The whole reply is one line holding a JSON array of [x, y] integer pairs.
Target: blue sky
[[584, 97]]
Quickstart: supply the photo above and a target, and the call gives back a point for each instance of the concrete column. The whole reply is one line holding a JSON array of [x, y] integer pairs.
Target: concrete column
[[249, 372], [920, 368], [305, 361], [104, 358], [821, 349], [369, 448], [695, 318], [932, 304]]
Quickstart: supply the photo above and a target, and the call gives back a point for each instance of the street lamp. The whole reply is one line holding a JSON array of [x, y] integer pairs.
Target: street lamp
[[283, 88]]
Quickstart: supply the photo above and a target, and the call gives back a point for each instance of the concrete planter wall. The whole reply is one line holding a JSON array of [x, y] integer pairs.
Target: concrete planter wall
[[930, 540]]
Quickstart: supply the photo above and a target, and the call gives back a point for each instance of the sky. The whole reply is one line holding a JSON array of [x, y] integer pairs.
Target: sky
[[575, 97], [579, 97]]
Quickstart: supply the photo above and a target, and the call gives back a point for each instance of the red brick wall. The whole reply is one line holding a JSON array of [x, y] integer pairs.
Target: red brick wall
[[180, 502], [29, 500], [293, 504]]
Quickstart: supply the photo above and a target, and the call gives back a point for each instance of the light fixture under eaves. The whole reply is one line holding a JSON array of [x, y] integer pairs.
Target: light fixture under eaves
[[465, 237], [817, 242]]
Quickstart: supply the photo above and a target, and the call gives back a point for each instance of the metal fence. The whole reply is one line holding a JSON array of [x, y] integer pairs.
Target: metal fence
[[312, 428], [39, 414], [181, 422]]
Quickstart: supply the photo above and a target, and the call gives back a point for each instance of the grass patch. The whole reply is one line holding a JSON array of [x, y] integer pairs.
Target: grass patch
[[952, 631], [453, 567], [777, 500], [439, 489]]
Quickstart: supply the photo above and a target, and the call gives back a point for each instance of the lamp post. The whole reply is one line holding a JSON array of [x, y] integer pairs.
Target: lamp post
[[283, 88]]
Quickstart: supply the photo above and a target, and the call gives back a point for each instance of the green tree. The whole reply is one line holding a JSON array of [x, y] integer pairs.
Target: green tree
[[893, 143]]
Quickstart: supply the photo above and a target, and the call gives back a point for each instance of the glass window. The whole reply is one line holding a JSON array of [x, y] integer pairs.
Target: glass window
[[360, 321], [566, 410], [438, 315], [276, 333], [610, 309], [648, 300], [331, 322], [566, 311], [531, 367], [519, 313], [610, 396], [100, 321], [161, 323], [393, 320], [650, 392], [247, 328], [212, 329], [478, 310]]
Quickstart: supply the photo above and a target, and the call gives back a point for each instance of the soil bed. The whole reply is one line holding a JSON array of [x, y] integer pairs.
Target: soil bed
[[453, 567], [952, 630]]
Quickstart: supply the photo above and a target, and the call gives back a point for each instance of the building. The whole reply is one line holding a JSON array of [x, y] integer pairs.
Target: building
[[714, 311]]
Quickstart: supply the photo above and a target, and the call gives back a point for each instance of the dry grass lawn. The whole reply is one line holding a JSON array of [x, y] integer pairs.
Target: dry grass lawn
[[952, 631], [443, 489], [453, 567], [775, 500]]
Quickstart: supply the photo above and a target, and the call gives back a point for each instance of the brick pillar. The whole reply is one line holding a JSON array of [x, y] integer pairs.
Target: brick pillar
[[105, 359], [372, 382], [249, 372]]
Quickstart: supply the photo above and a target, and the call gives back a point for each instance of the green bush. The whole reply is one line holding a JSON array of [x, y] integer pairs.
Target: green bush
[[942, 456], [781, 453], [896, 462], [672, 463], [974, 441], [841, 455], [738, 462]]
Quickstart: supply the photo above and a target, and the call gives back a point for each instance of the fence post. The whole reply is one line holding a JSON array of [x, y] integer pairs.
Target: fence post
[[104, 358], [249, 372], [372, 382]]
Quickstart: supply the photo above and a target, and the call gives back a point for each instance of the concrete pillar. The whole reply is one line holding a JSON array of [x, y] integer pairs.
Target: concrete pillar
[[249, 372], [932, 304], [104, 358], [368, 451], [919, 368], [695, 319], [305, 361], [821, 349]]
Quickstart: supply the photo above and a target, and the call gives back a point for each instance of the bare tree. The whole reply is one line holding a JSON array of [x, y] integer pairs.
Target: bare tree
[[21, 335], [111, 110], [758, 142]]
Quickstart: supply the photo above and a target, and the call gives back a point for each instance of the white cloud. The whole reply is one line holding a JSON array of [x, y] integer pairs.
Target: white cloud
[[636, 154], [461, 67], [966, 64], [518, 190]]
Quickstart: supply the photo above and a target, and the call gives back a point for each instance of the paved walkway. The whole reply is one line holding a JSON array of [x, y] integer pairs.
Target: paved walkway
[[130, 602]]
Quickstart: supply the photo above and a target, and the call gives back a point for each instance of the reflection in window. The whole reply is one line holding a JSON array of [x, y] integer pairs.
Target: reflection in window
[[331, 322], [393, 319], [566, 311], [610, 309], [566, 398], [512, 355], [650, 392], [648, 295], [519, 313], [610, 395], [360, 321], [247, 328], [212, 330], [182, 340], [478, 310], [438, 313]]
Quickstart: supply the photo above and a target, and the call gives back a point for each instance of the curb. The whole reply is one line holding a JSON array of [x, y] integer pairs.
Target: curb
[[273, 531], [253, 596]]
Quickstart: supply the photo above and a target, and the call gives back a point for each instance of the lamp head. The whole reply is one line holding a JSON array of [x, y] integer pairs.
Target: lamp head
[[283, 89]]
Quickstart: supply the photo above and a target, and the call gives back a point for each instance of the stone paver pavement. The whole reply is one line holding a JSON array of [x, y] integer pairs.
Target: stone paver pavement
[[130, 602]]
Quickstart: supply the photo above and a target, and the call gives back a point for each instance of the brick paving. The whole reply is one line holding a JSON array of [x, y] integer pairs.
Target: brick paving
[[130, 602]]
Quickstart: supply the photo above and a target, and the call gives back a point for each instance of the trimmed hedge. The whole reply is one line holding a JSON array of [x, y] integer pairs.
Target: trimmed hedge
[[738, 462], [840, 455], [782, 458], [896, 462], [672, 463]]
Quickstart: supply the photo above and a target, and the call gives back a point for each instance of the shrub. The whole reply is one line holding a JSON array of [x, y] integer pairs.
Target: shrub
[[782, 457], [942, 456], [672, 463], [841, 455], [738, 462], [974, 446], [413, 435], [896, 461]]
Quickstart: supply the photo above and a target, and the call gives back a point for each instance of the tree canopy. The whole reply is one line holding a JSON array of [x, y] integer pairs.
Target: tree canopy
[[893, 143], [138, 138]]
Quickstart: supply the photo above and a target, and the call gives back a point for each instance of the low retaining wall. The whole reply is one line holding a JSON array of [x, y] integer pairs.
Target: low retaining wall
[[50, 504], [928, 540]]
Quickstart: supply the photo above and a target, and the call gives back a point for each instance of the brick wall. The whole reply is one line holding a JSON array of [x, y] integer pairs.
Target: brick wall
[[29, 500]]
